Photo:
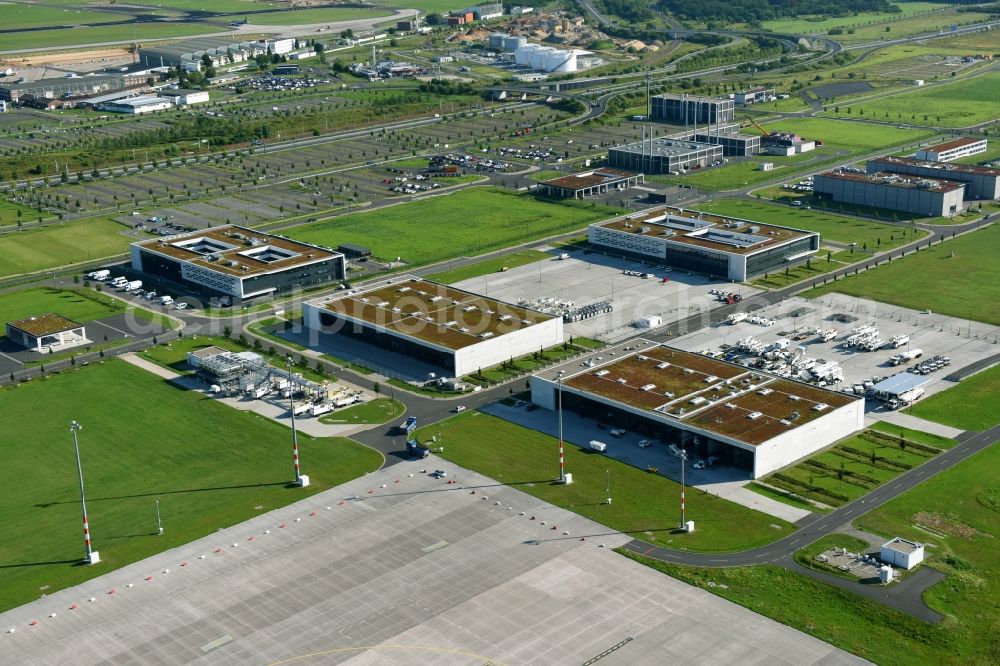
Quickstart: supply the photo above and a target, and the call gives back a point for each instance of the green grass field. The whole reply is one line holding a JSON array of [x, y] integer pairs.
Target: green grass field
[[969, 406], [376, 411], [143, 439], [956, 513], [489, 266], [77, 304], [955, 278], [8, 213], [468, 222], [833, 228], [852, 468], [305, 16], [857, 624], [60, 245], [965, 102], [854, 136], [818, 25], [645, 505], [104, 33]]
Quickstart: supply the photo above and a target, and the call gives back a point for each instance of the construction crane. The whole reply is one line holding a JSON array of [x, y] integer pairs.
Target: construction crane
[[761, 129]]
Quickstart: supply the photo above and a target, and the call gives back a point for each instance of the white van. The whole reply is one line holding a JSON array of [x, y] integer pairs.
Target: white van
[[598, 446], [618, 432]]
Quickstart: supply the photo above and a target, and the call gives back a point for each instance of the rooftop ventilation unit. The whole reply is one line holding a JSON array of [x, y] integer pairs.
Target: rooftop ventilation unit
[[765, 391], [663, 365], [785, 422], [753, 416], [621, 380], [668, 394], [710, 379], [451, 323], [396, 310], [820, 406], [649, 387], [730, 405], [469, 308], [601, 373], [383, 304], [435, 299], [486, 335], [688, 371], [697, 400], [464, 329], [403, 290], [643, 358], [793, 398]]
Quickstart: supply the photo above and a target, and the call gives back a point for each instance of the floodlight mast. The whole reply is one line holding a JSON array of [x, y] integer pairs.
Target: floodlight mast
[[684, 458], [291, 408], [75, 427], [562, 457]]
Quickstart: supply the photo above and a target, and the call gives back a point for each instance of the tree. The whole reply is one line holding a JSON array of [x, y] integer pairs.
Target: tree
[[227, 332], [376, 388]]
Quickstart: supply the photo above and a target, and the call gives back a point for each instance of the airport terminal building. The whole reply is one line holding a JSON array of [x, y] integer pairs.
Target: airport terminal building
[[729, 248], [751, 420], [457, 331], [236, 262]]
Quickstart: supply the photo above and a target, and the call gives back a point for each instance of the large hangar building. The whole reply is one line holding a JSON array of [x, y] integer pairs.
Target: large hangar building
[[729, 248], [455, 330], [749, 419], [980, 182]]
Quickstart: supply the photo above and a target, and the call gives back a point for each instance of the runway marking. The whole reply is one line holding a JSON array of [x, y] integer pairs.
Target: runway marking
[[485, 660], [434, 546], [608, 651], [649, 550]]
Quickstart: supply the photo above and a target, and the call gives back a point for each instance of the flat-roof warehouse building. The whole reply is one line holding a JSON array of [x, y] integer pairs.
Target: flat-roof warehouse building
[[664, 155], [750, 419], [729, 248], [455, 330], [908, 194], [980, 182], [237, 262]]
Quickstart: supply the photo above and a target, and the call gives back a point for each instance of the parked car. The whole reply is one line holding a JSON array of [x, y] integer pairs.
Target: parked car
[[645, 443]]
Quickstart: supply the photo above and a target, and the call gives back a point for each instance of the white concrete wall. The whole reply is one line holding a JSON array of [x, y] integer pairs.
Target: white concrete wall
[[808, 438], [136, 258], [496, 350]]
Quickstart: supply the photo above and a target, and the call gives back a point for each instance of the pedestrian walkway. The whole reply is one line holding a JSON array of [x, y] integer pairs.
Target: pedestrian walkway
[[149, 366], [914, 423]]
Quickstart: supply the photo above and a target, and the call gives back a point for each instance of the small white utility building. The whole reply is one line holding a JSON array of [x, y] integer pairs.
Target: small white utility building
[[902, 553]]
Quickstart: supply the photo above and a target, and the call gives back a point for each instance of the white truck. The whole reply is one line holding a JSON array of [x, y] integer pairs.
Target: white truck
[[905, 399], [318, 408], [119, 282], [600, 447], [736, 317], [302, 408], [166, 300], [100, 276], [132, 286], [906, 357], [897, 341]]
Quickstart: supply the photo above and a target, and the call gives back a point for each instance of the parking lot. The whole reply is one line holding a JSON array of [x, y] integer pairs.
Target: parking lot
[[401, 568], [964, 341], [588, 278]]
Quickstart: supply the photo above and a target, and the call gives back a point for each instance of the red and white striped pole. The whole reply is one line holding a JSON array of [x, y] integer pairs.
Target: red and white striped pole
[[295, 439], [74, 428], [683, 464], [562, 453]]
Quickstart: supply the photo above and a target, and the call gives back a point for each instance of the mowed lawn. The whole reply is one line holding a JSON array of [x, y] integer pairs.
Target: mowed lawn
[[468, 222], [143, 439], [59, 245], [958, 514], [956, 278], [644, 505], [854, 136], [965, 102], [818, 25], [106, 33], [833, 228], [76, 304], [972, 405]]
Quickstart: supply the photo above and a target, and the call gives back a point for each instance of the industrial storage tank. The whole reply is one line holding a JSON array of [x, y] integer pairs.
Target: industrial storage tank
[[560, 61], [497, 40], [540, 57], [512, 43], [523, 55]]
